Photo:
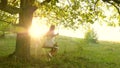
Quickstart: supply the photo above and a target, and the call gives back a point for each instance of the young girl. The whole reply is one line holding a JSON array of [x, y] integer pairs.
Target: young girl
[[50, 43]]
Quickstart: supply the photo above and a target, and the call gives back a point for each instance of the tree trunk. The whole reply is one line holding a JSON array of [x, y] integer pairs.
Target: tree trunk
[[22, 50], [23, 39]]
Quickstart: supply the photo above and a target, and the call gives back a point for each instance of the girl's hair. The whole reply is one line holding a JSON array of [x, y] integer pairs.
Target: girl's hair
[[52, 27]]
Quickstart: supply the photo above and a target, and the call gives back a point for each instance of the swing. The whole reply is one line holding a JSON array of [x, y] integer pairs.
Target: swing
[[49, 43], [49, 39]]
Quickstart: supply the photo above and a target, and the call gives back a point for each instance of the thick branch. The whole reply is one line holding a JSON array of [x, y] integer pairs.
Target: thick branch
[[112, 3], [4, 2], [117, 1], [9, 9], [117, 7], [46, 1]]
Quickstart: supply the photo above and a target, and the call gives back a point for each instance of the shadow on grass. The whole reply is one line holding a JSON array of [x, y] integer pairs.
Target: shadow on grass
[[59, 61]]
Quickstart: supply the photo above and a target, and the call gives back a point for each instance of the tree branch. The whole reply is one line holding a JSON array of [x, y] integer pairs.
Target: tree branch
[[117, 1], [9, 9], [46, 1], [69, 3], [112, 3], [4, 2], [95, 4], [117, 7]]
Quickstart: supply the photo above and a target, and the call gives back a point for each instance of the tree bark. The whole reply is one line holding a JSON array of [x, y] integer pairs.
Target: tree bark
[[22, 50]]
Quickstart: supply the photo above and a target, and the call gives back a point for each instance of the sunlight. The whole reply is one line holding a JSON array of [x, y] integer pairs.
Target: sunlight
[[37, 29], [108, 33], [104, 32], [71, 33]]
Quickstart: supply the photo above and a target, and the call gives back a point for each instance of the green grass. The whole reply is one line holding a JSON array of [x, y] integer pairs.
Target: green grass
[[73, 53], [7, 45]]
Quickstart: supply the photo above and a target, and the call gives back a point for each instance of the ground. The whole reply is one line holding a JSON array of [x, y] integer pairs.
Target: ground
[[73, 53]]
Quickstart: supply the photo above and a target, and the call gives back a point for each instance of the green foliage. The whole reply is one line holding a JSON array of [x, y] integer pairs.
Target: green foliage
[[6, 22], [90, 36], [3, 28], [77, 12]]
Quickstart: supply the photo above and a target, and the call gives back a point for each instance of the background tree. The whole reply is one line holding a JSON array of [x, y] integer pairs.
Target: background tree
[[6, 22]]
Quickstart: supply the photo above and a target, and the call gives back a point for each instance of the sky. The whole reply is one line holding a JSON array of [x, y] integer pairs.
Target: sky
[[104, 32]]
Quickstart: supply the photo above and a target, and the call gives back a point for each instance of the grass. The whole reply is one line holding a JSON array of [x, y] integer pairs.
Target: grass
[[7, 46], [73, 53]]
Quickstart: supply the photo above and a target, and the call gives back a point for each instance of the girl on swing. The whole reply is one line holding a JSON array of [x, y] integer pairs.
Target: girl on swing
[[50, 43]]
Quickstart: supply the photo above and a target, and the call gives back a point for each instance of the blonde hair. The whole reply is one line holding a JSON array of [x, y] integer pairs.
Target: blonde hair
[[52, 27]]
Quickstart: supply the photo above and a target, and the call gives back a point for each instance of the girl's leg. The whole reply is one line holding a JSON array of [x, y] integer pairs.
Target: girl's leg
[[54, 49]]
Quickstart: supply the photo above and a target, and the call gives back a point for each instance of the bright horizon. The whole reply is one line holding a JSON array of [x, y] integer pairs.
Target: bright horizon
[[104, 32]]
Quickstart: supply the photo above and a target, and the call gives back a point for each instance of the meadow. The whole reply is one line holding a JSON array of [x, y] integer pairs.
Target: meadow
[[72, 53]]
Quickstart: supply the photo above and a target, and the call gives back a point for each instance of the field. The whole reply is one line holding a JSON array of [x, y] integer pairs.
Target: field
[[73, 53]]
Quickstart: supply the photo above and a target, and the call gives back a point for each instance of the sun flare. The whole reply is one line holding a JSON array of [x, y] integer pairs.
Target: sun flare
[[36, 29], [39, 28]]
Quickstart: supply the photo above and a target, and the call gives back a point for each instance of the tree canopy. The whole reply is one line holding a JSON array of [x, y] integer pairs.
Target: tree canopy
[[70, 13]]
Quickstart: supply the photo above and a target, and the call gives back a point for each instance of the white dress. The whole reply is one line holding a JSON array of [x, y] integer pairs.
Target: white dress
[[49, 41]]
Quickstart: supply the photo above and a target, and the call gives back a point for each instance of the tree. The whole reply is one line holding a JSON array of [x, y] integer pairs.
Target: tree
[[80, 12], [23, 39], [115, 3], [25, 9], [25, 17]]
